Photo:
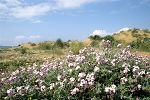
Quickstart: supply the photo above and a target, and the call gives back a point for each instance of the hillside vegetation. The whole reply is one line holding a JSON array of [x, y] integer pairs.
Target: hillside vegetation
[[131, 35], [102, 73]]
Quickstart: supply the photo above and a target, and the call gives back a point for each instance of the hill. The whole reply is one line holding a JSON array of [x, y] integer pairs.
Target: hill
[[130, 35]]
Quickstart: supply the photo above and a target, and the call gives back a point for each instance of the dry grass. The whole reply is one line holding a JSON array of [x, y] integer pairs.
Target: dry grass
[[87, 42], [127, 36]]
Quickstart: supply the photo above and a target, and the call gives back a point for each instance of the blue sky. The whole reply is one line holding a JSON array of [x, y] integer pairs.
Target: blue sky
[[38, 20]]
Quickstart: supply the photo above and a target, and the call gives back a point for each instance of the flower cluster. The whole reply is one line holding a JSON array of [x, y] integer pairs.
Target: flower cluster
[[91, 73]]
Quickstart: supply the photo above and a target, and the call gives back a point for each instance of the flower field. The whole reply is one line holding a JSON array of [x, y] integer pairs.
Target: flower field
[[93, 74]]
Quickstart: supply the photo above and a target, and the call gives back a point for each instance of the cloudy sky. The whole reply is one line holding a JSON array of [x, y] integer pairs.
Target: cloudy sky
[[39, 20]]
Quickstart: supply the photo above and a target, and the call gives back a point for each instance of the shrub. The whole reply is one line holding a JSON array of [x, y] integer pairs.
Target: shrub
[[23, 50], [96, 37], [46, 46], [33, 44], [95, 43], [76, 46], [141, 44], [109, 37], [59, 43], [146, 30]]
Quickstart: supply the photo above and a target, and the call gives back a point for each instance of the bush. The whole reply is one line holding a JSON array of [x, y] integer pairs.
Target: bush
[[33, 44], [96, 37], [109, 37], [23, 50], [46, 46], [95, 43], [141, 44], [76, 46], [59, 43], [146, 30]]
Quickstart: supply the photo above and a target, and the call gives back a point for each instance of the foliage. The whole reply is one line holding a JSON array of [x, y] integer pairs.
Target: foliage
[[91, 74], [146, 30], [46, 46], [59, 43], [96, 37], [95, 43], [143, 45], [76, 46], [109, 37]]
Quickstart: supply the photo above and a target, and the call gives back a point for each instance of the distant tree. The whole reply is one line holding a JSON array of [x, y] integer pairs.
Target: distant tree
[[109, 37], [135, 30], [59, 43], [146, 30], [96, 37], [33, 44]]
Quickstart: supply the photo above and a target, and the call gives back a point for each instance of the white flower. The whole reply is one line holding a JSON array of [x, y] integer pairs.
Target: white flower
[[3, 79], [141, 72], [43, 88], [113, 86], [107, 89], [96, 69], [81, 75], [119, 45], [78, 67], [59, 77], [61, 84], [36, 72], [74, 91], [41, 73], [19, 88], [139, 86], [126, 70], [70, 70], [111, 89], [83, 83], [10, 92], [52, 85], [123, 80], [72, 80], [135, 68], [27, 87]]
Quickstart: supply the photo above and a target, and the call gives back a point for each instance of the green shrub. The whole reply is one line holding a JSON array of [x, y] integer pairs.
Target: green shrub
[[146, 30], [46, 46], [23, 50], [96, 37], [59, 43], [76, 46], [142, 45], [109, 37], [33, 44], [95, 43]]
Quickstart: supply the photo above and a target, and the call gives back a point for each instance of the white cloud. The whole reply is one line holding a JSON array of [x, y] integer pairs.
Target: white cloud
[[99, 33], [36, 21], [124, 29], [20, 37], [20, 9], [29, 12], [60, 4], [23, 9], [34, 36]]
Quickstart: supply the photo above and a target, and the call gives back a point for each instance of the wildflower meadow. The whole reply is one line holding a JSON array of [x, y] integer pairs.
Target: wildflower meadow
[[105, 73]]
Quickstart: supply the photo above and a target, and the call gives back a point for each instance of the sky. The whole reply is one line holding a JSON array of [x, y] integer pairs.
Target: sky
[[24, 21]]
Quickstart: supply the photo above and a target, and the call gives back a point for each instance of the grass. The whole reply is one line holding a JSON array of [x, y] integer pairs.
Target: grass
[[130, 36], [26, 55]]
